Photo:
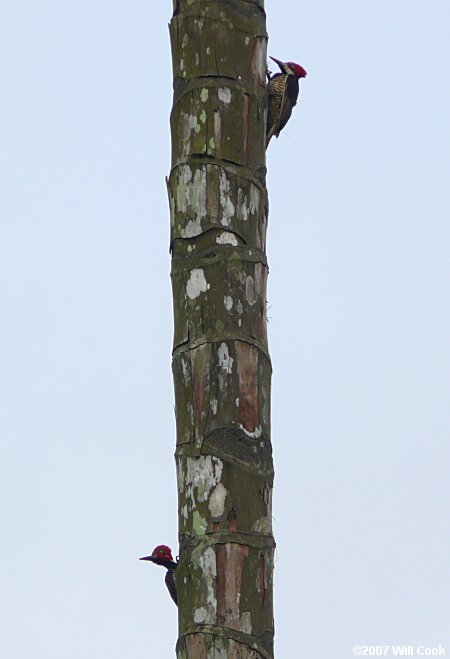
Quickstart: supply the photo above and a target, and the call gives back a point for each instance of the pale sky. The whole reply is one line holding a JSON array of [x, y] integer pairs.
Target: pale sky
[[358, 247]]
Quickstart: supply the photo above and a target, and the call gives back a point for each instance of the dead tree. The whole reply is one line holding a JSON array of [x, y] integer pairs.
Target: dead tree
[[221, 364]]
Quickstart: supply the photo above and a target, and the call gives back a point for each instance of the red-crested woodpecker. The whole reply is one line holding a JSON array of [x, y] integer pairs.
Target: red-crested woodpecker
[[283, 89], [162, 555]]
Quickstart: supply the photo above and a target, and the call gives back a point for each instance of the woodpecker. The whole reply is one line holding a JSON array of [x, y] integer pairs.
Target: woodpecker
[[283, 91], [162, 555]]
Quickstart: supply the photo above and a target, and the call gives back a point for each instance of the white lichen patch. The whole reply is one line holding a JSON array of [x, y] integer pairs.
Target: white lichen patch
[[193, 228], [184, 43], [180, 477], [207, 564], [265, 405], [240, 308], [262, 525], [190, 411], [225, 359], [228, 302], [268, 567], [245, 206], [247, 40], [200, 615], [203, 116], [216, 503], [255, 434], [236, 401], [227, 238], [254, 198], [250, 290], [226, 203], [224, 94], [192, 121], [243, 210], [196, 200], [259, 63], [268, 500], [184, 178], [246, 622], [204, 93], [186, 372], [202, 475], [196, 284], [197, 59], [199, 523], [222, 652]]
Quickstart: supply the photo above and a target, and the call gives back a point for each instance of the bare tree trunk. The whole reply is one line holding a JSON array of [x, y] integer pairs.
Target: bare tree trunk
[[221, 364]]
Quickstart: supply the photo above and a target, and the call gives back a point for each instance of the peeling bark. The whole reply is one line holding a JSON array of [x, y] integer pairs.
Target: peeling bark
[[221, 364]]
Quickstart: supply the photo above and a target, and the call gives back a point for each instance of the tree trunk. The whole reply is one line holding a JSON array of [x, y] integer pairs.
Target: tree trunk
[[221, 364]]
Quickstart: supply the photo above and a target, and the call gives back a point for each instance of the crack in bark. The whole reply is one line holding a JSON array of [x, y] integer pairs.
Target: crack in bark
[[208, 259], [241, 171], [234, 635], [187, 345]]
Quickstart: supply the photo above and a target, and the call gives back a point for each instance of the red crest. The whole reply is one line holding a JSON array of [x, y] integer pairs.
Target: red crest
[[162, 551]]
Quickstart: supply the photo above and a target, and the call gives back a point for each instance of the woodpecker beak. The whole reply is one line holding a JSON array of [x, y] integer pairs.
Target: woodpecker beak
[[146, 558], [279, 62]]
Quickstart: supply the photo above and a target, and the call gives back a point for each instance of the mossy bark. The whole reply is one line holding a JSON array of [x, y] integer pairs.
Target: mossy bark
[[221, 363]]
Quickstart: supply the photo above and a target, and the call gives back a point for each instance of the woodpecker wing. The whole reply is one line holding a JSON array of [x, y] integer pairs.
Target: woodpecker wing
[[283, 93], [170, 583], [170, 566]]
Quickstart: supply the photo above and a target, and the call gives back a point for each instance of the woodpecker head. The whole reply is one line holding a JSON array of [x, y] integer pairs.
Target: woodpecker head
[[161, 555], [290, 68]]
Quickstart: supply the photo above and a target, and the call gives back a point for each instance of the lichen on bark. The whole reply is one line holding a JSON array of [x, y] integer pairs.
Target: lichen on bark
[[221, 364]]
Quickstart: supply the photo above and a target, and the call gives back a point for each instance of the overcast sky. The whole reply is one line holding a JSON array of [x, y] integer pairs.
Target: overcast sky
[[358, 246]]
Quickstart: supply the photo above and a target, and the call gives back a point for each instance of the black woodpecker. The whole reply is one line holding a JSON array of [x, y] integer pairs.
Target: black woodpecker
[[162, 555], [283, 89]]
